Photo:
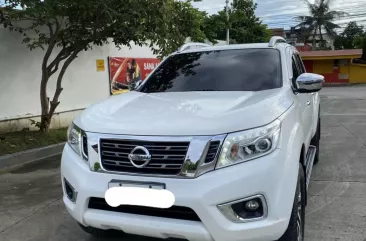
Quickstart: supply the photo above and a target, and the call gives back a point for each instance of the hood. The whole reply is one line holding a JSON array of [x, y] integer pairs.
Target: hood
[[184, 113]]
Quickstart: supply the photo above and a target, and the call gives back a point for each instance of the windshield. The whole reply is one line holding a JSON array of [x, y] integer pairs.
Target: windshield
[[221, 70]]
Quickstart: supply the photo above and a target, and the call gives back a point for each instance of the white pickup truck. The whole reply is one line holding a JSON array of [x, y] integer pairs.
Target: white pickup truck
[[231, 131]]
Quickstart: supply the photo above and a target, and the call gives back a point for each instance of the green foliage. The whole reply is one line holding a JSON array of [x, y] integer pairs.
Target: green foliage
[[78, 25], [320, 20], [18, 141], [96, 166], [244, 26], [360, 43], [215, 25], [348, 38], [75, 26], [35, 123]]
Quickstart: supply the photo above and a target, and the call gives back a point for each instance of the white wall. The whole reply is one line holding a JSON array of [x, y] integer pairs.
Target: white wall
[[20, 75]]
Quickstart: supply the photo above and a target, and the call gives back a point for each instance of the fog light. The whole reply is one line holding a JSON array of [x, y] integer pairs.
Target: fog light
[[71, 194], [245, 210], [249, 209], [252, 205]]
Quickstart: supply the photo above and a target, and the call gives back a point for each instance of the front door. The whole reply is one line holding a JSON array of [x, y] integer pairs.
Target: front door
[[306, 101]]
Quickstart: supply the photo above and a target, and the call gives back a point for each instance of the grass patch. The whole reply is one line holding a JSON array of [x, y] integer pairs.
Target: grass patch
[[24, 140]]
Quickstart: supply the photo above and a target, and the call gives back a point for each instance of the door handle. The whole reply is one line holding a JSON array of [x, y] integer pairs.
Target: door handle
[[312, 93], [308, 103]]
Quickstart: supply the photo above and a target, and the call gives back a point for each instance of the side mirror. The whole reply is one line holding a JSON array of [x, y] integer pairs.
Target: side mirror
[[308, 83]]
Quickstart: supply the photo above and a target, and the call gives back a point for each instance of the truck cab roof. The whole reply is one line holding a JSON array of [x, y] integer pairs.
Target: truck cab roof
[[275, 42]]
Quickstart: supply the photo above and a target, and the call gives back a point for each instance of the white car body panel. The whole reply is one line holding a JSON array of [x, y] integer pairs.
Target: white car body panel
[[199, 114], [190, 113], [202, 194]]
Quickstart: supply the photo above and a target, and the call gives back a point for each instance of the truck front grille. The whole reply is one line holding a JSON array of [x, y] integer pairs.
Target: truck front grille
[[174, 212], [167, 158]]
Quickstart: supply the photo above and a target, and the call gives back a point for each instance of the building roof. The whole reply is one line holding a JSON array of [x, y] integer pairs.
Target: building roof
[[277, 32], [332, 54]]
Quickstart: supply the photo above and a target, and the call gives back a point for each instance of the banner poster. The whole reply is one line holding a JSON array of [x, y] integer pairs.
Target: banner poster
[[126, 73]]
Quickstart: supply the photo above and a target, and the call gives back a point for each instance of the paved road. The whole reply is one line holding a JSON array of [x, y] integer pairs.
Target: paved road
[[31, 207]]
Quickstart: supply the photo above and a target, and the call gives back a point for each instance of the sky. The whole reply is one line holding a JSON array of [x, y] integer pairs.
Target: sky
[[280, 13]]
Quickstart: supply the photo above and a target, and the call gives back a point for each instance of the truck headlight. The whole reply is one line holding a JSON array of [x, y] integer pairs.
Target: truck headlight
[[247, 145], [76, 138]]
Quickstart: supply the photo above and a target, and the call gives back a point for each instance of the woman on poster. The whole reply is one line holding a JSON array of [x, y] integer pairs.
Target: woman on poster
[[136, 76]]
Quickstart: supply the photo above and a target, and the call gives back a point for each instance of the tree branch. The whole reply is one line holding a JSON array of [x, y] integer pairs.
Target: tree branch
[[51, 45], [57, 24], [55, 68], [55, 102], [51, 30], [63, 54], [46, 58]]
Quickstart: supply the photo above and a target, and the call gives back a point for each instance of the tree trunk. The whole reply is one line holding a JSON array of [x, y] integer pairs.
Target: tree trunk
[[321, 37], [44, 124], [54, 103], [314, 40], [49, 107]]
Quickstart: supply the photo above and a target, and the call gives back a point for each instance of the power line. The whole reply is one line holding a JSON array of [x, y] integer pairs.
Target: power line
[[350, 13], [359, 12], [297, 23], [286, 20], [355, 8]]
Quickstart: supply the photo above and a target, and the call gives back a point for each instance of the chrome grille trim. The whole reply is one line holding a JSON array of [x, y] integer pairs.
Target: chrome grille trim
[[167, 157], [212, 151], [194, 161]]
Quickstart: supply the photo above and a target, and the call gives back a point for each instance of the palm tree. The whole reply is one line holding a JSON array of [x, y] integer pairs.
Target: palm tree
[[320, 18]]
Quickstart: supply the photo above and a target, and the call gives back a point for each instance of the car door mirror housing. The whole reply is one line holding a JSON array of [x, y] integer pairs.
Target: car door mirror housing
[[309, 83]]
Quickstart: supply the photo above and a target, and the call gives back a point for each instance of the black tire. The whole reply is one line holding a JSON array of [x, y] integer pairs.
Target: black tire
[[316, 142], [296, 226], [101, 233]]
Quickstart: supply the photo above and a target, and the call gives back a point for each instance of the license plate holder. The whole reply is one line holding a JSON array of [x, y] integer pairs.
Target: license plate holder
[[150, 185]]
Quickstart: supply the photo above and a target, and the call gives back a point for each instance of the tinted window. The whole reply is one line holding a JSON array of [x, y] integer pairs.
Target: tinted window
[[295, 69], [300, 64], [224, 70]]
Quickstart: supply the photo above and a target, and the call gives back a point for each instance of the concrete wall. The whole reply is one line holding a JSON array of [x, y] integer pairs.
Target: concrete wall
[[357, 73], [20, 75]]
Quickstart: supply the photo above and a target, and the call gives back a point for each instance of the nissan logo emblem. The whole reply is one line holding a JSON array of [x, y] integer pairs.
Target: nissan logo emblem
[[145, 158]]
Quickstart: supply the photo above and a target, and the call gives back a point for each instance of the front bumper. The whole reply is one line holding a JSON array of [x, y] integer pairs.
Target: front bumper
[[272, 176]]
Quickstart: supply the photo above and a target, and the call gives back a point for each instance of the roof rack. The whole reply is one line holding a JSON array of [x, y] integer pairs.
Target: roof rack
[[275, 40], [193, 44]]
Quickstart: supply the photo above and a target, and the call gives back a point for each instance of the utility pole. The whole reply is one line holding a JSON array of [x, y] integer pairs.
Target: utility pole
[[227, 29]]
